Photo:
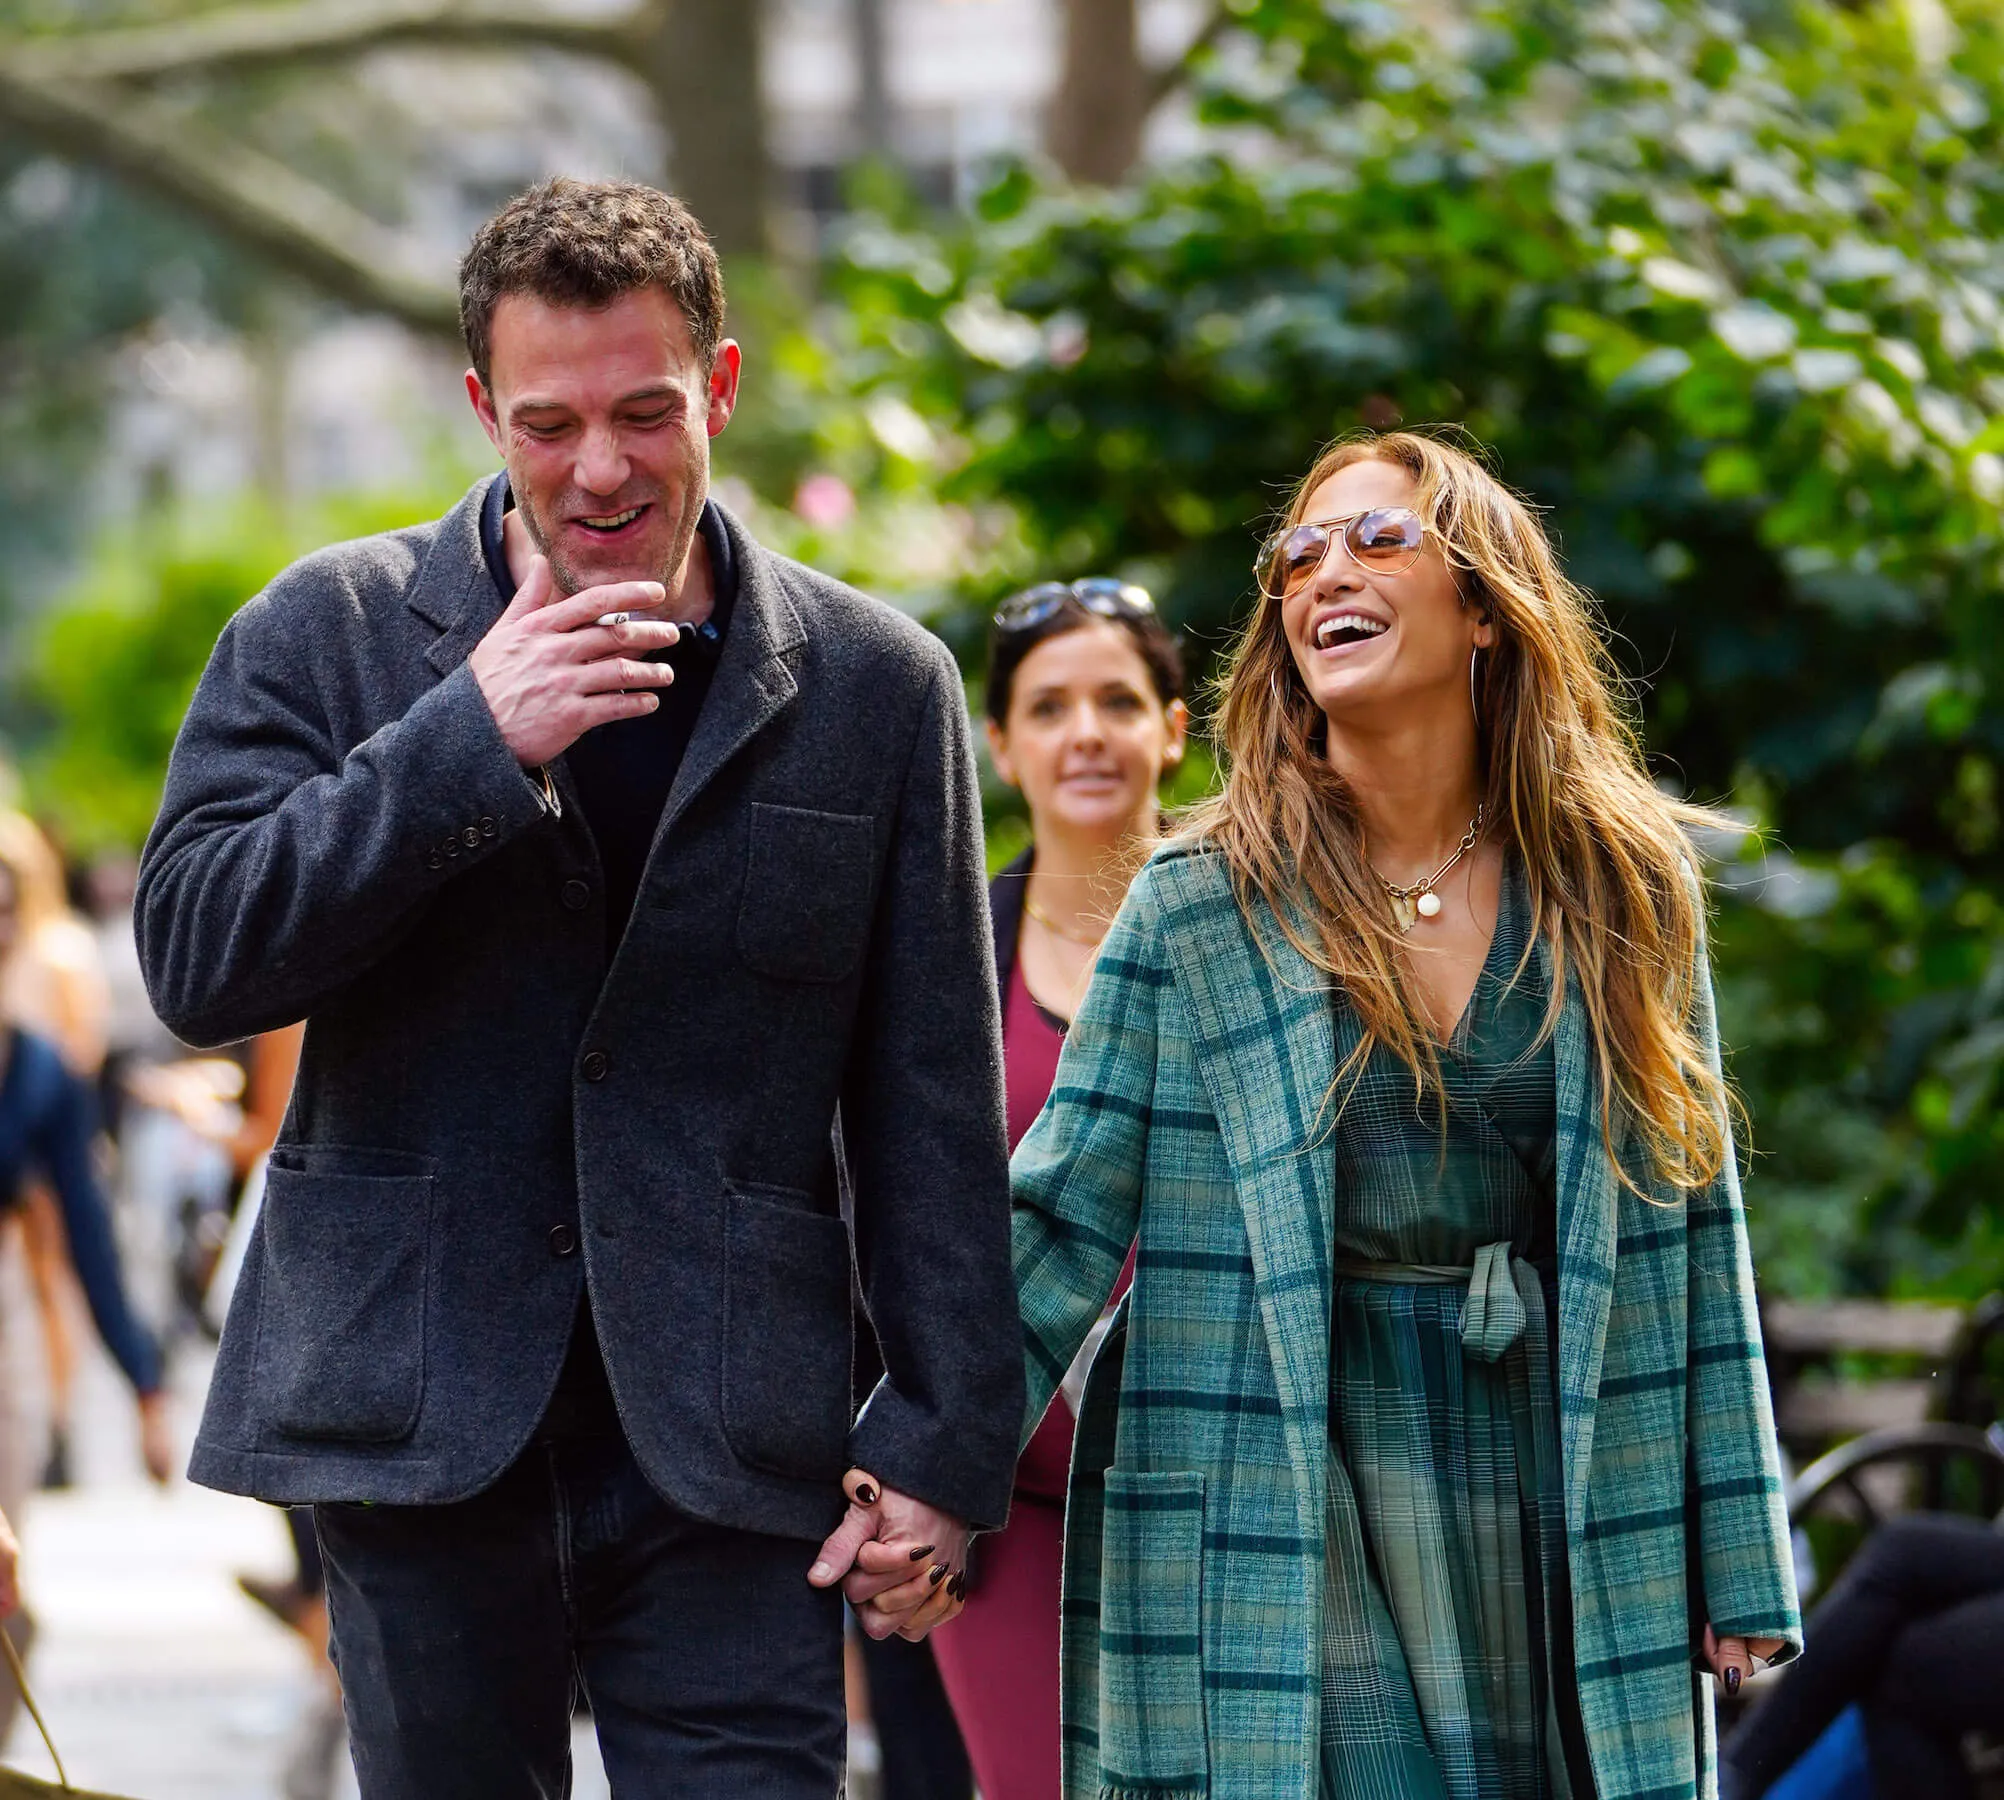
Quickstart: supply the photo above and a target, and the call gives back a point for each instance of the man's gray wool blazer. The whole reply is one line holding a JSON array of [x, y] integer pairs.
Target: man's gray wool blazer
[[489, 1119]]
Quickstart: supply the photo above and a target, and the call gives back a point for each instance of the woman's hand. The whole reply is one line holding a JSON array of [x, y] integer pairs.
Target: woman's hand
[[1732, 1659], [902, 1563]]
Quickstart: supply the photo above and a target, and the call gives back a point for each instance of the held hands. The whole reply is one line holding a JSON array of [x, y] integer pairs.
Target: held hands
[[905, 1561], [549, 671], [1732, 1659]]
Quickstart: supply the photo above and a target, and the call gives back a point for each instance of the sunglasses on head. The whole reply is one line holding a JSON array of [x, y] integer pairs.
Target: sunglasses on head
[[1386, 540], [1100, 595]]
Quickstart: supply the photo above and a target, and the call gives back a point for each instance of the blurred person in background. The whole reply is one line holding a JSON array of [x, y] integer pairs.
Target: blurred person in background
[[608, 856], [47, 1124], [1086, 718], [1912, 1633], [1445, 1459], [55, 985]]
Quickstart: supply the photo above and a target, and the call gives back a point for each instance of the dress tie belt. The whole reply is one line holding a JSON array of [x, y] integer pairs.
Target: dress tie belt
[[1504, 1294]]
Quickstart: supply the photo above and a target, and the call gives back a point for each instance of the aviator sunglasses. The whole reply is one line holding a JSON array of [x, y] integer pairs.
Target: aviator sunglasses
[[1387, 540], [1102, 595]]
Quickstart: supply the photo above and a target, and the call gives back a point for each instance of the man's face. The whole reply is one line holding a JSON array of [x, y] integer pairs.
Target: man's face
[[604, 416]]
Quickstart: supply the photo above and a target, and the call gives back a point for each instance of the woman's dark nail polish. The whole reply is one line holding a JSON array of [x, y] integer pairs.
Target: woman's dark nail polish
[[1732, 1681], [959, 1588], [866, 1495], [936, 1574], [923, 1551]]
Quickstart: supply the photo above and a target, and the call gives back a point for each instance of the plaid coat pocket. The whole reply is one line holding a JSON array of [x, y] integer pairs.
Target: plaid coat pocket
[[1151, 1730]]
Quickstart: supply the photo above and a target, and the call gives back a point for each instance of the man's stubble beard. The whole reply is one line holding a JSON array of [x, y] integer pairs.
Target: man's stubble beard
[[566, 579]]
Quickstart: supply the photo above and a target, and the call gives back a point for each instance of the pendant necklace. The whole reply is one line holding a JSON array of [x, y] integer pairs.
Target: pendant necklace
[[1064, 931], [1419, 901]]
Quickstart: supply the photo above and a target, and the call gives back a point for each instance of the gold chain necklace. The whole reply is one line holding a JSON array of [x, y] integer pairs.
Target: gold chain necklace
[[1064, 931], [1418, 900]]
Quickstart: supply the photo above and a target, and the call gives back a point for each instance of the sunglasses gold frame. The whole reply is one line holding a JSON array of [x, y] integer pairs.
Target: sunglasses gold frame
[[1270, 550]]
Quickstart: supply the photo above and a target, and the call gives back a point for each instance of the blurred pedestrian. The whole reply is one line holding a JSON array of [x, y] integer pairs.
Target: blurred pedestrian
[[1438, 1399], [55, 985], [1913, 1634], [606, 854], [47, 1122], [1086, 717]]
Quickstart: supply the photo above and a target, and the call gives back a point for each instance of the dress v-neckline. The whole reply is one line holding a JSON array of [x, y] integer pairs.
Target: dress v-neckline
[[1455, 1044]]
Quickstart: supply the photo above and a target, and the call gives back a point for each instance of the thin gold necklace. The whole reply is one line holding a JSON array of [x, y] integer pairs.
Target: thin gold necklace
[[1064, 931], [1417, 900]]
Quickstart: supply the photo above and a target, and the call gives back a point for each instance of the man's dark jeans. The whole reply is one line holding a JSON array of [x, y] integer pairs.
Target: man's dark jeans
[[712, 1668]]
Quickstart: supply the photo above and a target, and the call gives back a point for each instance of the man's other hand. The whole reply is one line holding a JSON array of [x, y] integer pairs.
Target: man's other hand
[[902, 1563], [549, 670]]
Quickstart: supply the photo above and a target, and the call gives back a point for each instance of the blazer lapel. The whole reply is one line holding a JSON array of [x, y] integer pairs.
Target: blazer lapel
[[754, 678], [1268, 1043], [453, 593], [1587, 1200]]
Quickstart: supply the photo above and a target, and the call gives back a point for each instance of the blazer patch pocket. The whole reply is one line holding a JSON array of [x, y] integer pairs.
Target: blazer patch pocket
[[343, 1274], [787, 1332], [805, 915], [1151, 1734]]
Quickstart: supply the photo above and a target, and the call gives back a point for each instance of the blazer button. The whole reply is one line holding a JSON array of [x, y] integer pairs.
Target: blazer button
[[576, 896], [563, 1241], [470, 837], [434, 861], [595, 1065], [450, 846], [488, 828]]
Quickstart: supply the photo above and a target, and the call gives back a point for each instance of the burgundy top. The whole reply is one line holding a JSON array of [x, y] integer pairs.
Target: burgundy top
[[1031, 1040]]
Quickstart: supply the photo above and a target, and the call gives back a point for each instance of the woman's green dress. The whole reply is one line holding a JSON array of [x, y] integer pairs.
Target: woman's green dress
[[1445, 1549]]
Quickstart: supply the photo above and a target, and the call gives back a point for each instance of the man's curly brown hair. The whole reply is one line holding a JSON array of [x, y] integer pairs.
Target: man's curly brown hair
[[585, 243]]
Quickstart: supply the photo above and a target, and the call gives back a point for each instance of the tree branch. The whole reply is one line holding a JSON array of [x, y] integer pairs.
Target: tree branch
[[1166, 80], [247, 37], [248, 197]]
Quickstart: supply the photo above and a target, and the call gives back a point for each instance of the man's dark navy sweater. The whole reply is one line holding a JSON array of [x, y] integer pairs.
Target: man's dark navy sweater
[[622, 773]]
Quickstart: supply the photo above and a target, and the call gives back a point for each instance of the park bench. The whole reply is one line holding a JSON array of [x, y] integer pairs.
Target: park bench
[[1882, 1406]]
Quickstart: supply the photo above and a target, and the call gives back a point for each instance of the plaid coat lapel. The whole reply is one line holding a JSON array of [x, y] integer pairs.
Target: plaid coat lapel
[[1586, 1220], [1269, 1042]]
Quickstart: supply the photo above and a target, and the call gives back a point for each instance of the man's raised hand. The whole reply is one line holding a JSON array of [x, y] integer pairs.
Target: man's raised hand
[[549, 670]]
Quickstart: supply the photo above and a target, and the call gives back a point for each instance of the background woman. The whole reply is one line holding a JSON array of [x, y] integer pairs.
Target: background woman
[[1086, 718], [1434, 1430], [46, 1125], [54, 985]]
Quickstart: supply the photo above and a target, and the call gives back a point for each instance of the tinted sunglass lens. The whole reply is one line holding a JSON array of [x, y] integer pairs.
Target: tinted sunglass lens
[[1301, 553], [1386, 535], [1020, 612]]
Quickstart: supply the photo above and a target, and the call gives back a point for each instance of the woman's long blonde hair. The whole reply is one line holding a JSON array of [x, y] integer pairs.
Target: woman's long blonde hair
[[1606, 855]]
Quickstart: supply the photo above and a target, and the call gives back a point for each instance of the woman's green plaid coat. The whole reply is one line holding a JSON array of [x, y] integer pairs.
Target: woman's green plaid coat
[[1184, 1112]]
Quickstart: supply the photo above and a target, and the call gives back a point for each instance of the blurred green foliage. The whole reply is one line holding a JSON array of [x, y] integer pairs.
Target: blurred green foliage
[[112, 669], [1722, 291]]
